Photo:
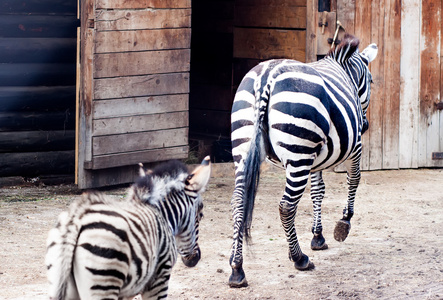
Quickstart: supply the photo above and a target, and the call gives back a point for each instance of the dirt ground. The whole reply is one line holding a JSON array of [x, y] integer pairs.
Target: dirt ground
[[394, 250]]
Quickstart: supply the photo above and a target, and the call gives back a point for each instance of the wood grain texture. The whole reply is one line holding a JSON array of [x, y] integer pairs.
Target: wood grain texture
[[429, 82], [133, 158], [409, 83], [391, 111], [140, 106], [140, 123], [123, 143], [141, 63], [143, 19], [269, 43], [281, 15], [142, 40], [144, 4], [148, 85]]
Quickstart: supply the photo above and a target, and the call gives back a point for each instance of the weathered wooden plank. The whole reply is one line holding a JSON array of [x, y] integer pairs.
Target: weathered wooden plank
[[392, 84], [269, 43], [140, 141], [311, 28], [123, 4], [149, 85], [375, 111], [37, 74], [29, 121], [409, 83], [283, 3], [37, 50], [429, 82], [142, 19], [140, 123], [31, 164], [363, 15], [86, 93], [141, 63], [37, 26], [32, 141], [281, 15], [346, 14], [37, 98], [133, 158], [38, 6], [142, 40], [140, 106]]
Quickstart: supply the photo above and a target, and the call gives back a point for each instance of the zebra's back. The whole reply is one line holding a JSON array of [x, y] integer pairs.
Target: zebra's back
[[118, 246]]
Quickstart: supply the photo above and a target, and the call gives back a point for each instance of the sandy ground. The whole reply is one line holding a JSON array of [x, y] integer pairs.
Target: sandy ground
[[394, 250]]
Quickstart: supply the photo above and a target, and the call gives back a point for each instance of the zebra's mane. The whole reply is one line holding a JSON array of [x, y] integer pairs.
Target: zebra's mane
[[159, 182], [347, 47]]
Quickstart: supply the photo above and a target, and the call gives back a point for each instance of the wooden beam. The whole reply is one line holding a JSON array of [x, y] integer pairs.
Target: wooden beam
[[134, 4], [143, 19], [142, 40]]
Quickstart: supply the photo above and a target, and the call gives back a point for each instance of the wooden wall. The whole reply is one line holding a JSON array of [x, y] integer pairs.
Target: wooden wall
[[134, 97], [405, 122], [37, 86]]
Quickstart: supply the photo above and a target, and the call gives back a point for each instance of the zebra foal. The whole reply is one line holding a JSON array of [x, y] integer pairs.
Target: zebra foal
[[305, 117], [108, 248]]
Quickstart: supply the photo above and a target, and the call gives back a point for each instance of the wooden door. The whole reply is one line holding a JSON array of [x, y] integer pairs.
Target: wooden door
[[134, 87], [405, 119]]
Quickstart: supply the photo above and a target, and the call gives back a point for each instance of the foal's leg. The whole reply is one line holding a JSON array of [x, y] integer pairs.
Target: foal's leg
[[343, 226], [296, 180], [317, 194]]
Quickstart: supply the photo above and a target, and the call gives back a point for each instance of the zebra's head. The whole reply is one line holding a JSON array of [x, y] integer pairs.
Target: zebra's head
[[177, 195], [356, 64]]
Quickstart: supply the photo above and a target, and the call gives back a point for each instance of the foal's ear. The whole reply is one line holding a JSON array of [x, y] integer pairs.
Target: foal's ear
[[199, 178], [370, 52]]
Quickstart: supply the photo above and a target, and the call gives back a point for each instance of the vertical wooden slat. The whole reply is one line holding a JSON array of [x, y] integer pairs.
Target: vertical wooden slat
[[375, 111], [409, 84], [86, 90], [363, 15], [311, 27], [392, 84], [429, 81], [346, 14]]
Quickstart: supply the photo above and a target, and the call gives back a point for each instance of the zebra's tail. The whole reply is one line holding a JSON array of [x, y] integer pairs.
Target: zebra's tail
[[253, 160], [60, 248]]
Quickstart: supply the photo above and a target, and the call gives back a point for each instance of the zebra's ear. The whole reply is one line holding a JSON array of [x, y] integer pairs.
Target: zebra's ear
[[370, 52], [199, 178]]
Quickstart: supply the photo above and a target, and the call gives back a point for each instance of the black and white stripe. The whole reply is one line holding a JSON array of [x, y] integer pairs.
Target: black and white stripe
[[110, 248], [305, 117]]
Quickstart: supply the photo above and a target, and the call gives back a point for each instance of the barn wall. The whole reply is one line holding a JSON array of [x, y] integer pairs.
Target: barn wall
[[405, 122], [37, 87]]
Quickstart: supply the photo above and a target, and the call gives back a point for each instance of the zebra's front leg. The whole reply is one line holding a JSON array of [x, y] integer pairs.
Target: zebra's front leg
[[295, 185], [343, 226], [238, 277], [317, 194]]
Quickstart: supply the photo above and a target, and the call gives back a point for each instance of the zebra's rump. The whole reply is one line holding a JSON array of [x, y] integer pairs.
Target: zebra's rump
[[117, 245]]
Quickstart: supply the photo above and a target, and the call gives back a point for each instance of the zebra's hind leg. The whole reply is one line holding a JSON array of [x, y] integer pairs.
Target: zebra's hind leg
[[238, 277], [343, 226], [317, 194], [296, 181]]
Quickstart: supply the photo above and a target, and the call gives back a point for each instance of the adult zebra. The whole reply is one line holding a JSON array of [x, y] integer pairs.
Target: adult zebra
[[307, 117], [108, 248]]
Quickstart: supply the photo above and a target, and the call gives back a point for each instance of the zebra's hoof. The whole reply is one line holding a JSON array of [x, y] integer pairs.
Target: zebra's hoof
[[318, 242], [341, 230], [304, 264], [238, 278], [192, 260]]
